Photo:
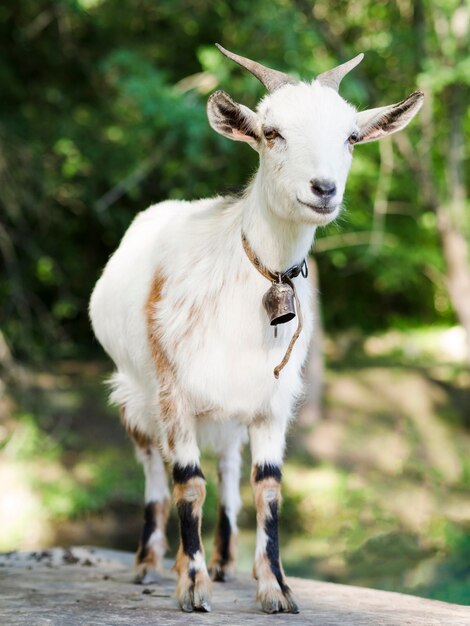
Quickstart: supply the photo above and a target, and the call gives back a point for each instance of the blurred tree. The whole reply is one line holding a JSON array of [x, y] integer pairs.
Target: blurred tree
[[102, 113], [433, 39], [443, 57]]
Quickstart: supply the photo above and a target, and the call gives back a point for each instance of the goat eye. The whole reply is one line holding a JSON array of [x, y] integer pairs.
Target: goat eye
[[271, 134], [353, 138]]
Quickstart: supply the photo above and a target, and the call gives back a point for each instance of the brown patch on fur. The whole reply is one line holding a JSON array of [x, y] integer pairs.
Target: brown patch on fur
[[149, 559], [265, 491], [194, 315], [159, 356], [168, 410], [194, 320], [171, 438], [194, 491], [165, 370], [162, 513], [140, 439], [181, 565], [262, 569]]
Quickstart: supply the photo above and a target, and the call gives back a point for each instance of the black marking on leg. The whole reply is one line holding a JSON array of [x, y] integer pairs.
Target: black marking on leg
[[272, 544], [150, 525], [267, 471], [181, 474], [189, 528], [192, 574], [224, 531]]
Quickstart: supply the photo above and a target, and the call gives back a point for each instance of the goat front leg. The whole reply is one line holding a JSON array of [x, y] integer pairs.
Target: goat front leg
[[193, 590], [177, 430], [194, 587], [267, 439]]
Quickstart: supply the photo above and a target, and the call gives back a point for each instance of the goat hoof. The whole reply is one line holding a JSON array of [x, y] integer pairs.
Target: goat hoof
[[146, 576], [219, 574], [205, 607], [201, 597], [278, 601], [150, 578], [187, 605], [190, 604], [193, 593]]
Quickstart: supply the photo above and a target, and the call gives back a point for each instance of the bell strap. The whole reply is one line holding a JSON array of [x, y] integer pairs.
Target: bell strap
[[285, 277], [292, 272], [296, 335]]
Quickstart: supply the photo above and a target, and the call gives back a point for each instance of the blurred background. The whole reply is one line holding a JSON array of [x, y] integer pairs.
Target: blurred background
[[102, 112]]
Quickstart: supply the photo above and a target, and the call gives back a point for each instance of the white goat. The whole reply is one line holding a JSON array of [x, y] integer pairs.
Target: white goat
[[179, 310]]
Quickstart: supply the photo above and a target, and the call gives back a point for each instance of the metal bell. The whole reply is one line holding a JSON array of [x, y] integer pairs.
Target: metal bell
[[279, 303]]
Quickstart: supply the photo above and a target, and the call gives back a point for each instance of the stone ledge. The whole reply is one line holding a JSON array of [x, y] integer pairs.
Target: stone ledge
[[93, 587]]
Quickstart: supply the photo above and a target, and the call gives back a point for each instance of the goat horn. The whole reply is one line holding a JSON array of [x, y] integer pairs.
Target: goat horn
[[271, 79], [332, 78]]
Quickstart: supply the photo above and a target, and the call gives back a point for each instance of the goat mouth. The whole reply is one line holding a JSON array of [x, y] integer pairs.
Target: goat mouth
[[319, 208]]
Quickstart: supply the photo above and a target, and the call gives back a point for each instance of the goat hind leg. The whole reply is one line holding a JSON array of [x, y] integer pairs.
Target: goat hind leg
[[224, 556], [152, 545]]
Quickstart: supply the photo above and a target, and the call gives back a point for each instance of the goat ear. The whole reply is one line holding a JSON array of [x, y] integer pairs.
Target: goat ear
[[377, 123], [232, 120]]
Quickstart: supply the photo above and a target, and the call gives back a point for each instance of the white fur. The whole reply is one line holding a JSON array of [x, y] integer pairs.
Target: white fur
[[198, 563], [226, 439], [225, 365], [156, 485]]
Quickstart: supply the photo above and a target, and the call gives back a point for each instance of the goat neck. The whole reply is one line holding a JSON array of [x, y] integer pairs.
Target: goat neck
[[278, 242]]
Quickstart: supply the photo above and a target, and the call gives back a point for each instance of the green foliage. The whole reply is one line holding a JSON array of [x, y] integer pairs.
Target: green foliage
[[451, 581], [103, 113], [97, 480]]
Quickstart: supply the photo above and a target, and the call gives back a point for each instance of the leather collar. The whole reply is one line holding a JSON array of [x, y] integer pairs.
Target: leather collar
[[292, 272]]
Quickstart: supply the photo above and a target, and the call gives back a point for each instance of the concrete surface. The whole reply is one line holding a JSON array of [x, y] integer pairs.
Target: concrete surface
[[93, 587]]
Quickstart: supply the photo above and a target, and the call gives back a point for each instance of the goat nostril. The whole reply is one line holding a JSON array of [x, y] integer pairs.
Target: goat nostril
[[322, 187]]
